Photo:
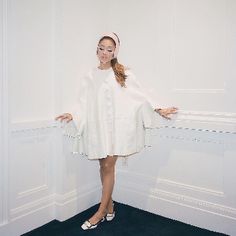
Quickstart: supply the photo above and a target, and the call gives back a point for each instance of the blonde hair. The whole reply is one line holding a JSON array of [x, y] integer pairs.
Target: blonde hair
[[119, 71]]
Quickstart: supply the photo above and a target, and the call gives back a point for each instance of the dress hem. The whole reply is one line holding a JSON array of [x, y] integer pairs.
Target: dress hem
[[119, 155]]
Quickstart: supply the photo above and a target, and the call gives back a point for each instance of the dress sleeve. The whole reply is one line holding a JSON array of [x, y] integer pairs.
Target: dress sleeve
[[79, 109], [131, 81]]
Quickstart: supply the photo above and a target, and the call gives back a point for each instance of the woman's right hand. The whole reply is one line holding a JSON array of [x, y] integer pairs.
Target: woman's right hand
[[66, 116]]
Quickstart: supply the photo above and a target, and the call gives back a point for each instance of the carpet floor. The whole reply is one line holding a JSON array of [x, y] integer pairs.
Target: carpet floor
[[129, 221]]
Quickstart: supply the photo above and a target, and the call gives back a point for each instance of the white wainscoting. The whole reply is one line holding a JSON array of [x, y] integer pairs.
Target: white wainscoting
[[46, 182], [44, 179], [187, 173]]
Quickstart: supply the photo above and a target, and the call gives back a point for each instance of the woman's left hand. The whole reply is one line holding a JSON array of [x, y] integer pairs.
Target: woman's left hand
[[166, 112]]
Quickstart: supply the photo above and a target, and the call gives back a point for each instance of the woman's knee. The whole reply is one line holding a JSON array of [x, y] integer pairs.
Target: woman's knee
[[108, 165]]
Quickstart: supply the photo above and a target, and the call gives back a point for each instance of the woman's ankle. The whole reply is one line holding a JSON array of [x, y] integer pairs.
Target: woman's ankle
[[110, 207], [97, 216], [101, 212]]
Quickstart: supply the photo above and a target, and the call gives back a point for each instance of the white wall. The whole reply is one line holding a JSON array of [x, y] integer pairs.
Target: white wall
[[183, 50], [40, 180], [3, 122], [186, 51]]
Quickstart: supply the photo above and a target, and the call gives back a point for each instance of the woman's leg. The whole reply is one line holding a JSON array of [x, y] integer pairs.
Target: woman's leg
[[107, 170], [110, 204]]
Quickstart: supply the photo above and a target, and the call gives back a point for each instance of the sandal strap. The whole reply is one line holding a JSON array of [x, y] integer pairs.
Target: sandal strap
[[89, 225], [111, 214]]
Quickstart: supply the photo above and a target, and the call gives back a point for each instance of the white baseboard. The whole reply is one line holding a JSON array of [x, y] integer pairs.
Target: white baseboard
[[28, 221], [186, 209], [74, 202], [54, 207]]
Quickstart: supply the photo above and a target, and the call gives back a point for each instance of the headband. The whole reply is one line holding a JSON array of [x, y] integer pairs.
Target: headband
[[116, 40]]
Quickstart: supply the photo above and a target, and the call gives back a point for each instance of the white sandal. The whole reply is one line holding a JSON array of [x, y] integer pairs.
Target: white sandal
[[87, 224], [110, 216]]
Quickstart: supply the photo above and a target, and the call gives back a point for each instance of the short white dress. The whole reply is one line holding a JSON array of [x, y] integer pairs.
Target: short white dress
[[110, 119]]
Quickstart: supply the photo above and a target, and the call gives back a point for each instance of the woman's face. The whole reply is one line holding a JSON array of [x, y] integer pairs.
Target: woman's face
[[105, 51]]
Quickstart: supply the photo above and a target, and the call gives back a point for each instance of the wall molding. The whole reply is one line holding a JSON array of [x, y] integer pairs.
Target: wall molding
[[187, 187], [4, 180], [145, 193], [193, 126], [181, 208], [181, 200], [146, 182], [33, 206], [54, 206], [62, 201], [76, 201], [31, 191], [222, 122], [138, 183], [33, 126], [194, 135], [156, 188], [21, 225], [205, 121], [192, 91], [208, 117]]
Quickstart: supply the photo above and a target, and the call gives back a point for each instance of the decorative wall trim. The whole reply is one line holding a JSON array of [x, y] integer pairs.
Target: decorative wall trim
[[201, 121], [147, 183], [181, 200], [28, 222], [66, 205], [193, 126], [76, 201], [4, 134], [29, 208], [204, 136], [190, 120], [33, 126], [178, 207], [62, 199], [216, 117], [151, 195], [131, 181], [189, 90], [32, 191], [187, 187]]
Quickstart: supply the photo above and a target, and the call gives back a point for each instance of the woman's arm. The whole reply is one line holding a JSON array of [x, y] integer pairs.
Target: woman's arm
[[166, 112]]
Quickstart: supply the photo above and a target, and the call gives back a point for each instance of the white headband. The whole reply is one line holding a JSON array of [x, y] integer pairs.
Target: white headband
[[116, 40]]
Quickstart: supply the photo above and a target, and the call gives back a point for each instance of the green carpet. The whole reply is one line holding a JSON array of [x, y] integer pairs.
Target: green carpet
[[129, 221]]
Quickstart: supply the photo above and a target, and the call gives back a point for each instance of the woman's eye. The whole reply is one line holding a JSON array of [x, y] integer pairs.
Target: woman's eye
[[109, 50], [101, 49]]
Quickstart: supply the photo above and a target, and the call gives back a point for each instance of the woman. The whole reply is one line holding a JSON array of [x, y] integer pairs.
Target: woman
[[112, 115]]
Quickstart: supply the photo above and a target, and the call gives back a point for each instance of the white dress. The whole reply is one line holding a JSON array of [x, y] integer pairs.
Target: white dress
[[110, 119]]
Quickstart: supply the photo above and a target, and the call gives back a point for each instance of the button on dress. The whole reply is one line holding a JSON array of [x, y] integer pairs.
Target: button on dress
[[110, 119]]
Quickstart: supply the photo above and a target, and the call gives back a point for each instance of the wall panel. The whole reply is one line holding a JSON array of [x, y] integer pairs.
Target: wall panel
[[30, 60], [190, 174]]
